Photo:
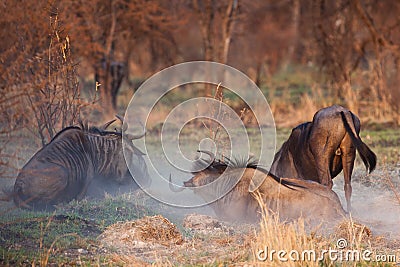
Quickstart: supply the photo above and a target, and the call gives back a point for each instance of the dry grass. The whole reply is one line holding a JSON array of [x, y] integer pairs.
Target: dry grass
[[155, 229], [277, 235], [353, 232], [155, 240], [297, 239]]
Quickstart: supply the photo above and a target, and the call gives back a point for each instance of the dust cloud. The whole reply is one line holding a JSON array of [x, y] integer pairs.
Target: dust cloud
[[374, 201]]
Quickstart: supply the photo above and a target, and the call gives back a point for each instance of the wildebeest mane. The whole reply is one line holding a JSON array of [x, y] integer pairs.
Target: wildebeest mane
[[214, 166], [84, 127], [64, 130], [219, 166]]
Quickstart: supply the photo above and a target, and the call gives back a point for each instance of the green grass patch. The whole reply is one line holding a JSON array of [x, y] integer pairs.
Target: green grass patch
[[384, 142], [28, 237]]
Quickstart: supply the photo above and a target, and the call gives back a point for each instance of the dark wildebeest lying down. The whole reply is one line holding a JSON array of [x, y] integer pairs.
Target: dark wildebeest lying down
[[64, 169], [321, 149], [287, 197]]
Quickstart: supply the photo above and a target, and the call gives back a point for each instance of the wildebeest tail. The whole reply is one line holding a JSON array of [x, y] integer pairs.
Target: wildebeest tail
[[366, 154]]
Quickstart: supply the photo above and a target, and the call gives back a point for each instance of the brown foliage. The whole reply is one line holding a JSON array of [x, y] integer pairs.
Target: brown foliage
[[38, 85], [110, 33], [359, 37], [353, 44]]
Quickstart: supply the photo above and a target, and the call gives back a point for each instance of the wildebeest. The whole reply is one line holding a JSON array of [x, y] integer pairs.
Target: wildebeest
[[321, 149], [289, 198], [64, 168]]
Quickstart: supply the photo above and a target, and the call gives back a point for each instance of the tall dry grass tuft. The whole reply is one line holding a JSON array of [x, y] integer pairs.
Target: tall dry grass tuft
[[46, 252], [294, 244], [275, 236]]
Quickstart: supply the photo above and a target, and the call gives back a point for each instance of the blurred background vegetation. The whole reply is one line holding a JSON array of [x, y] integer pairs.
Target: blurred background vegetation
[[65, 60], [62, 60]]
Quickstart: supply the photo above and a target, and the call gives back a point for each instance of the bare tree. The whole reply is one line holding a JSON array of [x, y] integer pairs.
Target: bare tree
[[55, 100], [216, 39], [114, 31], [352, 38], [41, 84]]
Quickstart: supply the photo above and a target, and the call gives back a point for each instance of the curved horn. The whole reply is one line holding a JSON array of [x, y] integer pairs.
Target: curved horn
[[124, 126], [120, 118], [209, 153], [105, 126], [133, 137], [173, 188]]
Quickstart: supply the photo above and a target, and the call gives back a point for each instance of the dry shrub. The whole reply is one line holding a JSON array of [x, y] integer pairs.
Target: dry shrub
[[54, 95], [154, 229], [40, 90]]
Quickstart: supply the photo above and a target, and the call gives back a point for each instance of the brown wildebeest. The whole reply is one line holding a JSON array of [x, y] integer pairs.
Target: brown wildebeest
[[288, 197], [64, 169], [321, 149]]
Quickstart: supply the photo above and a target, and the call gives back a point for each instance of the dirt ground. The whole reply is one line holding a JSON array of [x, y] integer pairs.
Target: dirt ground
[[191, 236], [156, 240], [122, 231], [375, 199], [202, 239]]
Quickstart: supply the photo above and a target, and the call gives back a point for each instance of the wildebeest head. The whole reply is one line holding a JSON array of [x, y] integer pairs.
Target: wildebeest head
[[116, 168], [136, 158], [290, 198]]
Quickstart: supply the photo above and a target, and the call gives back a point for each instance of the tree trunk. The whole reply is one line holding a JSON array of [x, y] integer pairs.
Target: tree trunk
[[227, 27], [295, 32], [105, 73], [206, 18]]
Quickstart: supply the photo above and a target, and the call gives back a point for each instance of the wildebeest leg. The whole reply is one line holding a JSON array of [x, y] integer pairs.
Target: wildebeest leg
[[348, 157], [85, 185], [83, 192], [322, 163]]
